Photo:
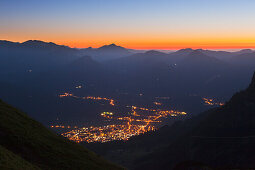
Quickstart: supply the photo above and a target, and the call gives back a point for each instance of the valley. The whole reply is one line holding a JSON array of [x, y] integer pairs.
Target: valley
[[119, 126]]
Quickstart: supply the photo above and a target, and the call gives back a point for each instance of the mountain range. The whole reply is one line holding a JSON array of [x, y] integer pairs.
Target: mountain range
[[36, 72]]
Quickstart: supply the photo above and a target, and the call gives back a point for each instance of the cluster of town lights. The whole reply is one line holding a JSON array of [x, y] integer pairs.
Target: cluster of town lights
[[139, 121], [211, 102]]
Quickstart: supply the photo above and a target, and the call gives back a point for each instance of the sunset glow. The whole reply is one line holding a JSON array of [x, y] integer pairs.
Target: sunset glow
[[133, 24]]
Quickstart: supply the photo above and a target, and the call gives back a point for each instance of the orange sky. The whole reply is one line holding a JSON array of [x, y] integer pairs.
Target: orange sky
[[138, 39], [167, 44], [136, 24], [143, 42]]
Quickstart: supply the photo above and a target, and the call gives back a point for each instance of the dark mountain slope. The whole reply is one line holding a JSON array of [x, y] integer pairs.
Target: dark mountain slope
[[221, 138], [140, 61], [183, 52], [224, 55], [244, 60], [143, 72], [221, 55], [41, 147], [9, 160], [201, 64], [20, 59], [205, 75], [170, 73], [93, 76]]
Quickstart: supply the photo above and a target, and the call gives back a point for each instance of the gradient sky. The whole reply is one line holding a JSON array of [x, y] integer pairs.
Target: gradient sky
[[140, 24]]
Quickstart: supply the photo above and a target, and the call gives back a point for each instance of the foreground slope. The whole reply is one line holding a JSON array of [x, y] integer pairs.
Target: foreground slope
[[220, 138], [9, 160], [40, 147]]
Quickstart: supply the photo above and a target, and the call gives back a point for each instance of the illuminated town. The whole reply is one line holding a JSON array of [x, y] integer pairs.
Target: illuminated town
[[211, 102], [138, 121], [111, 101]]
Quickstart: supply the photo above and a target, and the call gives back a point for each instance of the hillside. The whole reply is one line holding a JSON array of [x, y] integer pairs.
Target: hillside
[[9, 160], [26, 143], [219, 138]]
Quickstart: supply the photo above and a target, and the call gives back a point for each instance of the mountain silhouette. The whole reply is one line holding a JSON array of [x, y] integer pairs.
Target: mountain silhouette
[[184, 51], [106, 52], [32, 44], [38, 56], [196, 58], [110, 47]]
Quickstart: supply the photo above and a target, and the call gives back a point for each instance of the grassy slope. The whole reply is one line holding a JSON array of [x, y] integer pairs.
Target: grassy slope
[[9, 160], [41, 147]]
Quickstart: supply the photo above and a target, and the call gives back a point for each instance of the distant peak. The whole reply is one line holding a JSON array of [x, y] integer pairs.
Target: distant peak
[[187, 49], [184, 51], [41, 44], [33, 41], [246, 50], [38, 42], [113, 44], [8, 43], [153, 52], [5, 41], [196, 52], [200, 49]]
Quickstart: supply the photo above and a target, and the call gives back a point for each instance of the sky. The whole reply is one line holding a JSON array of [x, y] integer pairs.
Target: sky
[[137, 24]]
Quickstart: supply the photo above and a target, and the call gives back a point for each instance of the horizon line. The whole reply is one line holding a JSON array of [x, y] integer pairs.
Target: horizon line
[[173, 48]]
